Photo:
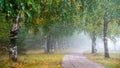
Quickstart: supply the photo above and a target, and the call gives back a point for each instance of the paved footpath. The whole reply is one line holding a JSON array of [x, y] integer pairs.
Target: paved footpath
[[76, 60]]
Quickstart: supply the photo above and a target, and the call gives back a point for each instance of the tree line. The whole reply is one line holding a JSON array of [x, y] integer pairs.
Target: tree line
[[56, 19]]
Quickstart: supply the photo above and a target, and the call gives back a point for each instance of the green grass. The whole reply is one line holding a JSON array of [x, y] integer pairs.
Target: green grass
[[33, 59], [112, 62]]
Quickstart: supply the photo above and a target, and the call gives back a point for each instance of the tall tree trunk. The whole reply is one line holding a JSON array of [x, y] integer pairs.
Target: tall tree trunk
[[94, 50], [52, 44], [13, 38], [48, 45], [105, 30]]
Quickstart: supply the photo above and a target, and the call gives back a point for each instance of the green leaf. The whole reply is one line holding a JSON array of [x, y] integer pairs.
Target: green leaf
[[49, 2], [34, 8], [28, 14], [22, 5], [29, 2]]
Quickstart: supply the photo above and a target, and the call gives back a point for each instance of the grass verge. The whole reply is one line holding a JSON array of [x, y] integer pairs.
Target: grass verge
[[112, 62], [33, 59]]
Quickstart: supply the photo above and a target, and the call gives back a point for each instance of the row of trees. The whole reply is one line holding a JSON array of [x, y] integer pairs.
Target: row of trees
[[97, 19], [55, 19]]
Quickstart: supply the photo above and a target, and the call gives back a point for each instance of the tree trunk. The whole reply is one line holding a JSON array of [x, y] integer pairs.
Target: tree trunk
[[13, 39], [48, 45], [52, 45], [94, 50], [106, 51]]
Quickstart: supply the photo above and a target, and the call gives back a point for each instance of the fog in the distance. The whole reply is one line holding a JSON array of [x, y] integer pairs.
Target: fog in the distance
[[82, 42]]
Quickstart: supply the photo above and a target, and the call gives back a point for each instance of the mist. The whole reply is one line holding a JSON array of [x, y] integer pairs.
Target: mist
[[82, 42], [78, 42]]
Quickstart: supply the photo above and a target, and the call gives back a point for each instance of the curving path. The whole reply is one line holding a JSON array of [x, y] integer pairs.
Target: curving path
[[78, 60]]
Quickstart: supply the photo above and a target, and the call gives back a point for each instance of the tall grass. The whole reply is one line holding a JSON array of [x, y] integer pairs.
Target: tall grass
[[33, 59], [112, 62]]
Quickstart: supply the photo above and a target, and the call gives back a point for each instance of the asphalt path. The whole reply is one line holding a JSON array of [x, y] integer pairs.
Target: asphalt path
[[78, 60]]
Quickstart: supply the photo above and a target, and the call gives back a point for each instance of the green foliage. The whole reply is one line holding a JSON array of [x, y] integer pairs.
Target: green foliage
[[59, 18], [93, 14], [56, 17], [4, 29]]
